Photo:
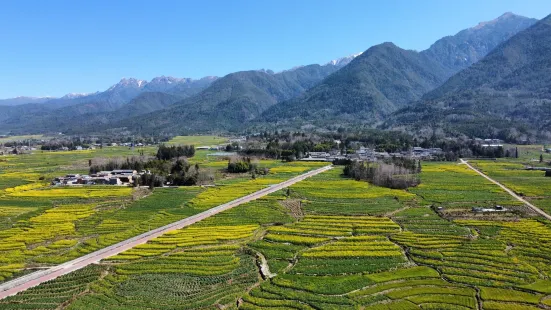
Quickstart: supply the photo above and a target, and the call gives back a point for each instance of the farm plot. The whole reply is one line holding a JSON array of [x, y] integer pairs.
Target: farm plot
[[529, 241], [332, 245], [331, 193], [532, 185], [454, 185], [461, 255], [341, 253], [52, 294], [409, 286], [198, 140], [41, 225], [43, 234], [426, 221], [205, 264]]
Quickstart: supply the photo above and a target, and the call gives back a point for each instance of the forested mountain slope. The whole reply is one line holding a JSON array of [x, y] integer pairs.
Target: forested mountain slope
[[233, 100], [506, 94], [386, 78]]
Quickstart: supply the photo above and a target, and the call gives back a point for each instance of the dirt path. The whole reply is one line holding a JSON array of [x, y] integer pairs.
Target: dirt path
[[536, 209]]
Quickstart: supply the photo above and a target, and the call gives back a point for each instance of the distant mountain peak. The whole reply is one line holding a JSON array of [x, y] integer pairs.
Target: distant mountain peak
[[268, 71], [209, 78], [343, 60], [504, 16], [507, 15], [75, 95], [129, 82], [33, 97], [169, 79]]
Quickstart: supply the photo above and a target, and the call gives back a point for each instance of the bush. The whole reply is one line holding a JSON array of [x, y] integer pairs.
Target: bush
[[241, 165]]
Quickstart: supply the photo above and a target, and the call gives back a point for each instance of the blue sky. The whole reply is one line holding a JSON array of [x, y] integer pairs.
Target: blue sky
[[50, 48]]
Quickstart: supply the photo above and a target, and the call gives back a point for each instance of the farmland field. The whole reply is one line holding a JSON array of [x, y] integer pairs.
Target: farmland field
[[41, 226], [531, 184], [198, 140], [21, 138], [325, 243]]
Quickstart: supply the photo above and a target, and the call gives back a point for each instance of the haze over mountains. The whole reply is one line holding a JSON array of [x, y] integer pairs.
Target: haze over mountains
[[497, 69], [23, 100]]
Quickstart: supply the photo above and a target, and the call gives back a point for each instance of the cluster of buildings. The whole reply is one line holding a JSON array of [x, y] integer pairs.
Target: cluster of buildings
[[489, 142], [115, 177], [211, 148], [5, 150], [367, 154], [235, 142]]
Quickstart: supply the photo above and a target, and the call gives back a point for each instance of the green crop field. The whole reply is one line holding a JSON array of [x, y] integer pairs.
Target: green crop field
[[41, 226], [198, 140], [22, 138], [326, 243], [531, 184]]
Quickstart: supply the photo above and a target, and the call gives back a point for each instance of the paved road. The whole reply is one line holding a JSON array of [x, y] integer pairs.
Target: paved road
[[33, 279], [536, 209]]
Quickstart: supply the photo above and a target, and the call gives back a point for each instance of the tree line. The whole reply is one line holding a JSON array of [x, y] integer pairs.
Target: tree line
[[169, 152], [399, 173], [169, 167]]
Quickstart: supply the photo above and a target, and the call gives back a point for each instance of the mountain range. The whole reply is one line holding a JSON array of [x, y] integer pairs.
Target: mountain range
[[506, 94], [386, 78], [23, 100], [386, 86], [239, 97]]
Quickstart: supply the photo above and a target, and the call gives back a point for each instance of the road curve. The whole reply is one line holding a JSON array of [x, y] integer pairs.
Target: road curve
[[33, 279], [536, 209]]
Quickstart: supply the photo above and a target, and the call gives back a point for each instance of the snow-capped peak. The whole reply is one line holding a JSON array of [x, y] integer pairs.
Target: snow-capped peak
[[343, 60], [131, 82], [169, 80], [75, 95]]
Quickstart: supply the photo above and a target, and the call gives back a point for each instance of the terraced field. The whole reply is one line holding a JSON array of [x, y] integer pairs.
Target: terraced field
[[530, 184], [41, 226], [328, 243]]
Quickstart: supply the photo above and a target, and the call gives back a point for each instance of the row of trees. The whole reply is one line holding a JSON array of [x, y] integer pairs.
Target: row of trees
[[245, 164], [397, 175], [169, 152], [137, 163], [58, 144]]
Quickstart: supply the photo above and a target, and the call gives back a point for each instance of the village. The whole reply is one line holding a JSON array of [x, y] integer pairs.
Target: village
[[115, 177], [368, 154]]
